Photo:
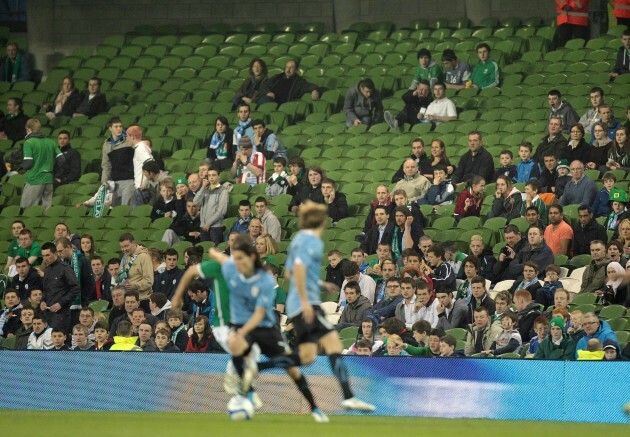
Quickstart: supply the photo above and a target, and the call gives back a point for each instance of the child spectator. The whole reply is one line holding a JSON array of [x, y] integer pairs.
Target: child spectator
[[545, 294], [528, 311], [529, 281], [485, 73], [426, 70], [507, 168], [358, 257], [453, 256], [277, 183], [618, 199], [101, 333], [179, 336], [442, 191], [364, 348], [26, 328], [611, 351], [165, 205], [469, 200], [58, 338], [367, 333], [563, 177], [395, 347], [440, 272], [503, 304], [528, 168], [480, 297], [541, 328], [10, 317], [163, 343], [281, 294], [448, 343], [244, 217], [508, 340], [428, 341], [333, 269], [426, 303], [471, 270], [601, 207], [557, 345], [532, 198]]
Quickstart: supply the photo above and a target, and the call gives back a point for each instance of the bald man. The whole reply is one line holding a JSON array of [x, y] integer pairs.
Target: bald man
[[580, 189]]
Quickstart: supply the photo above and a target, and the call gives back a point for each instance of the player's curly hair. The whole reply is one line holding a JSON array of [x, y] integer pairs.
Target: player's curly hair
[[312, 215]]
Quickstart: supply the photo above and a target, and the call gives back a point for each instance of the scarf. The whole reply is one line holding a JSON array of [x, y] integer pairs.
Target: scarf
[[61, 100], [611, 221], [122, 276], [99, 202], [11, 74], [6, 314], [525, 284], [76, 267], [620, 275], [396, 249], [464, 292], [218, 144], [240, 130]]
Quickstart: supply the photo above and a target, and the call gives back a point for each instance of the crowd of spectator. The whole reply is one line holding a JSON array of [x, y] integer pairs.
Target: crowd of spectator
[[403, 291]]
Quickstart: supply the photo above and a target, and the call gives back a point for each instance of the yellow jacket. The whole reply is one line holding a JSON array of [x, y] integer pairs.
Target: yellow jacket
[[592, 356], [125, 344]]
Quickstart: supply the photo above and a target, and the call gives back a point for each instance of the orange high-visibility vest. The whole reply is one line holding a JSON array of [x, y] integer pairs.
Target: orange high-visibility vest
[[578, 14], [621, 8]]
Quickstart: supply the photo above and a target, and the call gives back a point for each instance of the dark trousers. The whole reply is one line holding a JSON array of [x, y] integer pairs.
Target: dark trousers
[[409, 114], [567, 32], [213, 234], [60, 320]]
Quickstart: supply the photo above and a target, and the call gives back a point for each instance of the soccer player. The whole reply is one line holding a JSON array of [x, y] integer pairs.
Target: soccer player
[[252, 311], [311, 327]]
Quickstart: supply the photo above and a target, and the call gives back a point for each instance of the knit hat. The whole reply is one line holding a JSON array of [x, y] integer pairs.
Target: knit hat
[[179, 181], [424, 53], [557, 321], [610, 344], [245, 143], [563, 164], [618, 195]]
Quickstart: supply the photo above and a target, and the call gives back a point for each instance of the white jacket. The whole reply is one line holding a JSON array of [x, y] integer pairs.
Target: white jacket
[[429, 314], [42, 341], [141, 154]]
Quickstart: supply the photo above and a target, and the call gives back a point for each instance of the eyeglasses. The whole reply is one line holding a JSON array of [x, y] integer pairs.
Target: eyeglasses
[[598, 130]]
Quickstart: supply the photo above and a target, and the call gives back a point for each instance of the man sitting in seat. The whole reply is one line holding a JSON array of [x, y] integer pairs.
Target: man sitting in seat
[[457, 72], [416, 102], [287, 86], [93, 102], [363, 104]]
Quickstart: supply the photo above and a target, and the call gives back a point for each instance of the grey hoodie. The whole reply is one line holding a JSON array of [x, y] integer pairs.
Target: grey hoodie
[[354, 313], [213, 205]]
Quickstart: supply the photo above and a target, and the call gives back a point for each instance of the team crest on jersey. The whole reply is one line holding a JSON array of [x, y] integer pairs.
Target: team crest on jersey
[[255, 291]]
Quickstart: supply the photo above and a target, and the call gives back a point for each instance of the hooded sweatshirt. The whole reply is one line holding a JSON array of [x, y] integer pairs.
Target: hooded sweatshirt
[[213, 204], [355, 312], [508, 207], [603, 333]]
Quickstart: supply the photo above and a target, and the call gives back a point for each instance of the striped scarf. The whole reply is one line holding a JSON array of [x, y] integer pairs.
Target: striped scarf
[[6, 314], [217, 143]]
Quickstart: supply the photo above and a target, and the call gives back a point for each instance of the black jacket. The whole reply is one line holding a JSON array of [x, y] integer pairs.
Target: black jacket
[[114, 315], [579, 153], [548, 180], [170, 348], [557, 145], [295, 89], [308, 192], [21, 338], [60, 285], [526, 318], [486, 262], [148, 347], [371, 239], [167, 282], [335, 275], [369, 220], [14, 128], [533, 289], [70, 106], [486, 302], [106, 286], [87, 284], [93, 107], [338, 209], [541, 255], [582, 237], [70, 170], [149, 318], [500, 269], [32, 281], [481, 164], [185, 225]]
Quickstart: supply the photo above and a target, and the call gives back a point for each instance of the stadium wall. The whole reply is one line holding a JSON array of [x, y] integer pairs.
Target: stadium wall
[[56, 27], [450, 388]]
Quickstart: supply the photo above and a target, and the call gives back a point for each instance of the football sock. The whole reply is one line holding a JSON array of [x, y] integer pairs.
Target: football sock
[[341, 373], [302, 385], [239, 365]]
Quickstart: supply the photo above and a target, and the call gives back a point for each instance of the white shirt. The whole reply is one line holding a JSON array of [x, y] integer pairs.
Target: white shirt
[[368, 288], [142, 153], [411, 317], [429, 314], [442, 108]]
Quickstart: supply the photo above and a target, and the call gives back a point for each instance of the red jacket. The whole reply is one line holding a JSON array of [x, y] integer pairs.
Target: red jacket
[[473, 210], [577, 14], [621, 8]]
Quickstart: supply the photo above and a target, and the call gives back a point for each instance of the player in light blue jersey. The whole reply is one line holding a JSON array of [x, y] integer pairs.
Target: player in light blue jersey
[[252, 313], [309, 320]]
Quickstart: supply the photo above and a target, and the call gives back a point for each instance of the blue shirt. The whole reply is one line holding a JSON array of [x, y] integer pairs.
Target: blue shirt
[[247, 294], [306, 249]]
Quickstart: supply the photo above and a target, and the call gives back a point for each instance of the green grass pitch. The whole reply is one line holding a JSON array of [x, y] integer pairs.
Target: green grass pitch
[[92, 424]]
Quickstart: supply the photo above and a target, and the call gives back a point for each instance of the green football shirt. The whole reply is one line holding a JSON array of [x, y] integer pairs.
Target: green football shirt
[[221, 297]]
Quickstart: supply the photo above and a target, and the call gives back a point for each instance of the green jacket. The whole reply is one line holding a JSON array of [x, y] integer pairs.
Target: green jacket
[[486, 74], [547, 350], [416, 351], [40, 154]]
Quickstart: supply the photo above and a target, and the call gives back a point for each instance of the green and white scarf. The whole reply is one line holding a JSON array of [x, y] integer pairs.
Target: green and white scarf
[[99, 202], [396, 249], [122, 276], [76, 266]]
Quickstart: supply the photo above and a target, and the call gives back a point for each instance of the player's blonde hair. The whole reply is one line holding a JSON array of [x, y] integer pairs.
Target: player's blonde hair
[[312, 215]]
